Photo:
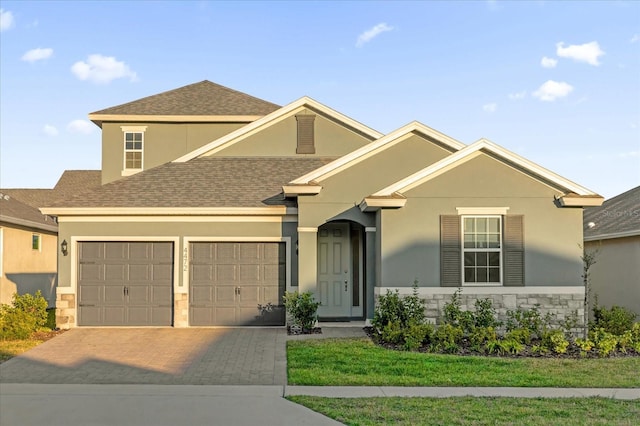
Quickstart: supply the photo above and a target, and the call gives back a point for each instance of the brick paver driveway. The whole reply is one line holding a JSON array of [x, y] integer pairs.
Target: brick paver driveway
[[203, 356]]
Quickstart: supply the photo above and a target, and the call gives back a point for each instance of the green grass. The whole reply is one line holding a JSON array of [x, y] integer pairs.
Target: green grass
[[358, 362], [476, 411], [11, 348]]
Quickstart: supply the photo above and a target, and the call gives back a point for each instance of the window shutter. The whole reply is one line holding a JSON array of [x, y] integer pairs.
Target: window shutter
[[450, 251], [306, 142], [513, 251]]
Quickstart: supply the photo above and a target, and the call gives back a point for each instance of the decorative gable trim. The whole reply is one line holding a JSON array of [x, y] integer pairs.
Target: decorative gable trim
[[486, 146], [385, 142], [276, 117]]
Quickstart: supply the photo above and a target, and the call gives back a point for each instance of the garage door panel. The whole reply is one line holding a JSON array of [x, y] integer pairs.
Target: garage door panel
[[249, 273], [202, 294], [225, 295], [224, 252], [136, 288], [225, 274], [249, 296], [249, 252], [201, 273]]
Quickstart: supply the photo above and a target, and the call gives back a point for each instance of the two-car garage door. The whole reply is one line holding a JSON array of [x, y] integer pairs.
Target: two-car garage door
[[131, 283]]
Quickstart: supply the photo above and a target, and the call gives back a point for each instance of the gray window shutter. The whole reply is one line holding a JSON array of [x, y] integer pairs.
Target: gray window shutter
[[306, 142], [513, 251], [450, 251]]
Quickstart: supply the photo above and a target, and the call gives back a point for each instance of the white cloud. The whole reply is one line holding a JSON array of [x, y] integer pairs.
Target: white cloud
[[80, 126], [102, 69], [552, 90], [492, 107], [630, 154], [518, 95], [37, 54], [548, 62], [371, 33], [635, 38], [6, 20], [50, 130], [588, 52]]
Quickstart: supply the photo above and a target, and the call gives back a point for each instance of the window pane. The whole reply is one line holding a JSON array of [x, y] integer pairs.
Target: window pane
[[481, 241], [469, 259], [494, 240], [482, 275], [494, 259], [137, 145], [35, 242], [494, 224], [134, 160], [481, 223], [494, 275], [469, 241], [482, 259], [469, 224], [469, 275], [128, 137], [137, 137]]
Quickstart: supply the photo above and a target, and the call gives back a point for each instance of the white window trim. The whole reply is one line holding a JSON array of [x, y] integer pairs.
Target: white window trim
[[131, 129], [486, 250]]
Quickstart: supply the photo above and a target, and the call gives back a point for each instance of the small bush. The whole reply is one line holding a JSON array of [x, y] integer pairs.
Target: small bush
[[585, 345], [447, 338], [616, 320], [604, 342], [455, 316], [480, 336], [530, 319], [28, 313], [302, 308], [555, 340], [511, 346], [416, 335], [485, 314], [520, 335]]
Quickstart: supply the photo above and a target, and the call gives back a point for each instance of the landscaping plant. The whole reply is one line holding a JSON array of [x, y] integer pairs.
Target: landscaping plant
[[302, 308], [26, 314]]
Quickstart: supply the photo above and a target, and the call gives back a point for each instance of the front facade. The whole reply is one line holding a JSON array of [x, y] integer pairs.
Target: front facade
[[207, 219]]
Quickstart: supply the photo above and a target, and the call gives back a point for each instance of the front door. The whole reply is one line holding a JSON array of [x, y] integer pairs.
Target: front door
[[334, 271]]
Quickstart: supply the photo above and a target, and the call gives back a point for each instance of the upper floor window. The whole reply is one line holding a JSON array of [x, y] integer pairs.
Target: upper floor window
[[133, 149], [482, 249], [36, 241]]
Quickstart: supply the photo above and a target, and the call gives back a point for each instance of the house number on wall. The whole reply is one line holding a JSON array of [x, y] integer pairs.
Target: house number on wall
[[185, 260]]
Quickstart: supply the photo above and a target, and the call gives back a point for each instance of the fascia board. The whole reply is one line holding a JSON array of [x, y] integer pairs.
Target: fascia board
[[588, 201], [275, 117], [291, 190], [174, 118], [29, 224], [169, 211], [386, 141], [370, 204], [613, 235]]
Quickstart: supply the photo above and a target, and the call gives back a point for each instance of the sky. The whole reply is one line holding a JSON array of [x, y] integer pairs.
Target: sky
[[556, 82]]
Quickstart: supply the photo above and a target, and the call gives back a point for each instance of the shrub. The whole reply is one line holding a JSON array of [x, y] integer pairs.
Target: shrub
[[616, 320], [585, 345], [530, 319], [28, 313], [416, 335], [302, 308], [511, 346], [555, 340], [521, 335], [485, 314], [455, 316], [479, 336], [447, 338], [604, 342]]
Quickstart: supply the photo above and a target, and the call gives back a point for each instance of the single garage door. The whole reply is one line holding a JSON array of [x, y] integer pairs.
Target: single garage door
[[125, 283], [237, 283]]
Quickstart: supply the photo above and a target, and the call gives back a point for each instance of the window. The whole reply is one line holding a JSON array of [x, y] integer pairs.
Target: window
[[35, 242], [482, 249], [133, 150]]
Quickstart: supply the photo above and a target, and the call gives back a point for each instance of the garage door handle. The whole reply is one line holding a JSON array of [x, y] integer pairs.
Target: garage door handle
[[237, 291], [126, 291]]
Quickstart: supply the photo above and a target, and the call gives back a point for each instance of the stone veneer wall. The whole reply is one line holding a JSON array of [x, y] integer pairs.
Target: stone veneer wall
[[65, 310], [560, 302], [180, 310]]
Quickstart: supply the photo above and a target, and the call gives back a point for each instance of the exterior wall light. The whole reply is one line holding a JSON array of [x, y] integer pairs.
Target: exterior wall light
[[64, 247]]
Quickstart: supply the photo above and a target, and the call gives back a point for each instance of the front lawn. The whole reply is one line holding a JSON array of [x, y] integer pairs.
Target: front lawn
[[11, 348], [477, 411], [358, 362]]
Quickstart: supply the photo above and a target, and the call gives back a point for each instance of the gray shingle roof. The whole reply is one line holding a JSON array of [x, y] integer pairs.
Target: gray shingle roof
[[202, 182], [618, 215], [203, 98], [19, 213]]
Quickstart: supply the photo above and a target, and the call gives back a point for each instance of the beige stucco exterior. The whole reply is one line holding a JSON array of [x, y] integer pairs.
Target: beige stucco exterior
[[24, 270], [163, 142], [615, 277]]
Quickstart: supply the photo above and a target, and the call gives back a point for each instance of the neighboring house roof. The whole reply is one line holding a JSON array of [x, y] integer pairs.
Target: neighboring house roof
[[203, 99], [275, 117], [387, 141], [193, 187], [616, 217], [70, 183], [574, 194], [17, 213]]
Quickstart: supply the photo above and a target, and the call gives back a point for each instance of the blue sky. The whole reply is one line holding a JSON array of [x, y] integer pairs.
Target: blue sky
[[556, 82]]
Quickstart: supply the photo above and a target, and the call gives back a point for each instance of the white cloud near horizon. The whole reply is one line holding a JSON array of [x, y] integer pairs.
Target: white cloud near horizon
[[6, 20], [552, 90], [37, 54], [588, 52], [50, 130], [490, 108], [517, 95], [372, 33], [80, 126], [635, 38], [102, 69], [630, 154], [548, 62]]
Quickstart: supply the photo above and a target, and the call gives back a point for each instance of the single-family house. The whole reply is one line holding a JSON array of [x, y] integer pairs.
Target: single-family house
[[213, 203], [612, 235]]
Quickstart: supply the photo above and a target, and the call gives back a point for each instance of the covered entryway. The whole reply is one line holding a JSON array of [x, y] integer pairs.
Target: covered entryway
[[340, 271], [125, 283], [236, 283]]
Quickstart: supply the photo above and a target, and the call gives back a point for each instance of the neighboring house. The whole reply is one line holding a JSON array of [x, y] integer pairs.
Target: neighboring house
[[28, 251], [612, 234], [28, 239], [214, 203]]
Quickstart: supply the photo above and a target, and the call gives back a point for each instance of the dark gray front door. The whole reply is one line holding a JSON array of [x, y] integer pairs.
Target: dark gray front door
[[125, 283], [237, 283]]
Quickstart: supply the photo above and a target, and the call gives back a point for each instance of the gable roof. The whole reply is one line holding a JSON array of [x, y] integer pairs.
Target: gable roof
[[387, 141], [17, 213], [616, 217], [275, 117], [576, 195], [198, 187], [203, 101]]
